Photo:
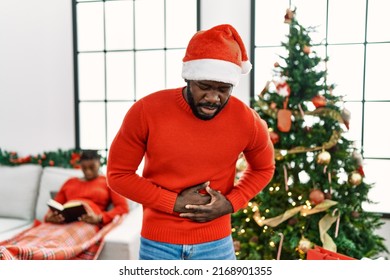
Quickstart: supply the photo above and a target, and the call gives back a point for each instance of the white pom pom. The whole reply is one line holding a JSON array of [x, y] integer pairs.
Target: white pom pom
[[246, 66]]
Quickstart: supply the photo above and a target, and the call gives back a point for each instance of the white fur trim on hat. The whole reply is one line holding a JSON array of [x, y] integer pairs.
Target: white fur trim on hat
[[217, 54], [212, 70]]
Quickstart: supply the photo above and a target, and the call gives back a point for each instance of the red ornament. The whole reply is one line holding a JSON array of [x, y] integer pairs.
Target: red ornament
[[328, 195], [292, 221], [237, 245], [319, 101], [254, 239], [306, 49], [75, 159], [274, 137], [346, 116], [284, 120], [360, 170], [289, 16], [316, 196], [283, 89], [355, 214]]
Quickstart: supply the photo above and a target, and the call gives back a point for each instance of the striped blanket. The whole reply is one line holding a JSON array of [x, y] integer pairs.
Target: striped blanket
[[47, 241]]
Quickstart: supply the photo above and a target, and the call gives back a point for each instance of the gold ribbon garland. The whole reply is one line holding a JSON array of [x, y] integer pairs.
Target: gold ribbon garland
[[324, 224], [322, 112], [280, 153], [303, 209]]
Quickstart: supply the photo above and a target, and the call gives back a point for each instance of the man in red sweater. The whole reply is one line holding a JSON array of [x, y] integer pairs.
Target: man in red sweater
[[191, 138]]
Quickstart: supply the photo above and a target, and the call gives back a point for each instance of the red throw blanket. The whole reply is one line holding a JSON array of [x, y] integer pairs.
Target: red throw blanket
[[47, 241]]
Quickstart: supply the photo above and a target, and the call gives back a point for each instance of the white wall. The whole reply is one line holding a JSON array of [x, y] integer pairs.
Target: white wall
[[236, 13], [36, 76]]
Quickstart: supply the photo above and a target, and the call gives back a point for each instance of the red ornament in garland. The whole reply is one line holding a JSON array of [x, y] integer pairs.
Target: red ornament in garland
[[274, 137], [319, 101], [316, 196]]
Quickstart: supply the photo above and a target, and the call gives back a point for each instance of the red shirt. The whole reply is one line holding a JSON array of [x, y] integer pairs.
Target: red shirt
[[96, 194], [181, 151]]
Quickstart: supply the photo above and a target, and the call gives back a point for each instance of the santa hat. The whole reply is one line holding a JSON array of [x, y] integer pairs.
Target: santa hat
[[217, 54]]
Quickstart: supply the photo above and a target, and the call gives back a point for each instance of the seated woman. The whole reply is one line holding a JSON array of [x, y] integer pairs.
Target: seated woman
[[54, 239], [91, 190]]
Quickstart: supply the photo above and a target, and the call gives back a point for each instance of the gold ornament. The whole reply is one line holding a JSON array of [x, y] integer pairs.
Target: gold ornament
[[241, 164], [278, 155], [323, 158], [304, 245], [355, 178]]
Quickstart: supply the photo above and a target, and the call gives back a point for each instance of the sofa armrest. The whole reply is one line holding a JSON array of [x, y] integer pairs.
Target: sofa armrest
[[123, 241]]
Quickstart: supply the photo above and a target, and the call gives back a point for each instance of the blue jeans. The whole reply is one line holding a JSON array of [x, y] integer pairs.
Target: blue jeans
[[221, 249]]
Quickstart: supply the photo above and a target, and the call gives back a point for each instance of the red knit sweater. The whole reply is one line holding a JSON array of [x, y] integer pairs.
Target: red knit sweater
[[96, 194], [181, 151]]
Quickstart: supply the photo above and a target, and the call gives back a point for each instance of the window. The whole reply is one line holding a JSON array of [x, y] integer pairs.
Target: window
[[124, 50], [351, 33]]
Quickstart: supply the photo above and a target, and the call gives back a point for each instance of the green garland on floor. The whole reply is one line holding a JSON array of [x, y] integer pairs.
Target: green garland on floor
[[60, 158]]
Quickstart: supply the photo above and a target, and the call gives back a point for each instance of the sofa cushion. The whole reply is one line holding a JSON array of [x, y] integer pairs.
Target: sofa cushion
[[51, 181], [18, 190]]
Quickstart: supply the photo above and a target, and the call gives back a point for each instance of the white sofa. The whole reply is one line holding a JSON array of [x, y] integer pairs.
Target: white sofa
[[24, 191]]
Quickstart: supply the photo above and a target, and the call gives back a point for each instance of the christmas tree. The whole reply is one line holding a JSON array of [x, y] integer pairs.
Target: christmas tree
[[315, 197]]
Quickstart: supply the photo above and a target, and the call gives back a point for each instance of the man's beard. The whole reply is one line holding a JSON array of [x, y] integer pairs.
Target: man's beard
[[191, 103]]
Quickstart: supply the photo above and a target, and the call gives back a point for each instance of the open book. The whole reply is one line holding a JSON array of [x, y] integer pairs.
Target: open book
[[71, 210]]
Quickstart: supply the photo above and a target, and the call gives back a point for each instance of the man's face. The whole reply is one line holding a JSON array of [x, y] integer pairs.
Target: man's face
[[207, 98], [90, 168]]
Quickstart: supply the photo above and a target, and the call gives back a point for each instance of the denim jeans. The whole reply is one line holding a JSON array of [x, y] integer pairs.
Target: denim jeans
[[221, 249]]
